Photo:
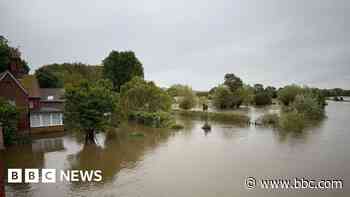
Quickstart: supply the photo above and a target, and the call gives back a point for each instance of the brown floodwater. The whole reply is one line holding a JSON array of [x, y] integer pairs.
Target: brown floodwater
[[191, 162]]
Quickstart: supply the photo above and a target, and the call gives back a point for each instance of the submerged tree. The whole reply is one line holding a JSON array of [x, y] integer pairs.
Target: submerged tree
[[89, 106], [287, 94], [121, 67], [8, 120], [188, 99], [141, 95]]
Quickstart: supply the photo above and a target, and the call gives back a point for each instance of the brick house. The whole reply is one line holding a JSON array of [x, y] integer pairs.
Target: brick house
[[41, 110]]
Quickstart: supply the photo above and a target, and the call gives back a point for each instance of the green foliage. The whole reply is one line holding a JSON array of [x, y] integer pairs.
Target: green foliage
[[203, 100], [188, 99], [215, 116], [202, 93], [152, 119], [67, 74], [224, 98], [89, 105], [8, 119], [177, 90], [246, 93], [258, 88], [233, 82], [292, 121], [4, 54], [271, 91], [270, 119], [9, 55], [287, 94], [262, 98], [121, 67], [308, 105], [141, 95], [177, 126]]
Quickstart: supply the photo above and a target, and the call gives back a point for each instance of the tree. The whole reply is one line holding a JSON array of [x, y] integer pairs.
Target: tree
[[8, 119], [4, 54], [246, 93], [89, 105], [258, 87], [287, 94], [48, 79], [188, 99], [177, 90], [60, 75], [10, 55], [308, 105], [222, 97], [141, 95], [121, 67], [271, 91], [262, 98], [232, 81]]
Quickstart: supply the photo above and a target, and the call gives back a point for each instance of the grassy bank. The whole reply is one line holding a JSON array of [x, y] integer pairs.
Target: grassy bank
[[215, 116]]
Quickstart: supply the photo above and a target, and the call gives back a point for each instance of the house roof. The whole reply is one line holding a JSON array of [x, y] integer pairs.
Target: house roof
[[56, 93], [4, 74], [30, 83]]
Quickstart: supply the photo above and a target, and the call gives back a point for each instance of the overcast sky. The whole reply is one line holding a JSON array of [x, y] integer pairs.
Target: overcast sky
[[195, 42]]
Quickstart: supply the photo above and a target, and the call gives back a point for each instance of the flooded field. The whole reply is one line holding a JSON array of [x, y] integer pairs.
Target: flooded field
[[191, 162]]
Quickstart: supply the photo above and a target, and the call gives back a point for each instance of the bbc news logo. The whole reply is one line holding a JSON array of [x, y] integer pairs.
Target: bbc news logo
[[30, 175]]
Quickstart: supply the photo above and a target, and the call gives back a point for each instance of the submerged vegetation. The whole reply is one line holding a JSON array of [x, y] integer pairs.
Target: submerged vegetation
[[300, 107], [8, 118], [89, 107], [215, 116]]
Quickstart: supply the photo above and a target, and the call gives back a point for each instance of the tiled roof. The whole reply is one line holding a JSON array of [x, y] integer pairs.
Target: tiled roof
[[56, 94], [30, 83]]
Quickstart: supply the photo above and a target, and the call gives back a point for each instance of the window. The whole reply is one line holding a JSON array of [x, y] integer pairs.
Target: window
[[50, 98], [34, 120], [46, 119], [56, 118]]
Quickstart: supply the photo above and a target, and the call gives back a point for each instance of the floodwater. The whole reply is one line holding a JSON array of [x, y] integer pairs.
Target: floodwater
[[191, 162]]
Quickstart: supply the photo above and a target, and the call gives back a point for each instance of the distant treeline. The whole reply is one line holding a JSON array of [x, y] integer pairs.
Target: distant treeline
[[61, 75]]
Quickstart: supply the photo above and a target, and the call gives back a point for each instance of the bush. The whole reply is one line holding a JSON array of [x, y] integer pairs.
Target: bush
[[308, 105], [141, 95], [216, 116], [262, 98], [292, 121], [152, 119], [8, 119], [270, 119], [222, 97], [287, 94], [177, 126], [188, 100]]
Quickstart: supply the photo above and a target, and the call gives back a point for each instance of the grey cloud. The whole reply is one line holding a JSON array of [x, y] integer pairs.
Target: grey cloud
[[274, 42]]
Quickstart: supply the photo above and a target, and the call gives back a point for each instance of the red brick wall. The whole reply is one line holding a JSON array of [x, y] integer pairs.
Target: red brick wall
[[10, 90]]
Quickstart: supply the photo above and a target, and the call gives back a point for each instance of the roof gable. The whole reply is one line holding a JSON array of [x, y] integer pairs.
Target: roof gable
[[7, 73]]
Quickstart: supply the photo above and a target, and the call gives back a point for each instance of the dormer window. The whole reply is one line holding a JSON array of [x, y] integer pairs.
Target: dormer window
[[50, 98]]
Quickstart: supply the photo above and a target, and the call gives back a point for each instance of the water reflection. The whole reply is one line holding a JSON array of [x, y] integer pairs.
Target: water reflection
[[190, 162]]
